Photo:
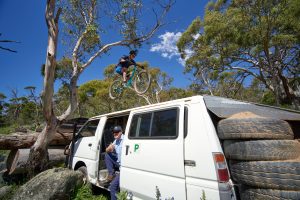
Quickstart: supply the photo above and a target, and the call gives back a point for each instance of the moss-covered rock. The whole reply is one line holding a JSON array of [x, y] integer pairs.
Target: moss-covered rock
[[57, 183]]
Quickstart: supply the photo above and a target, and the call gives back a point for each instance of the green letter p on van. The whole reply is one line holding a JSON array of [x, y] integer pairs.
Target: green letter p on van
[[136, 148]]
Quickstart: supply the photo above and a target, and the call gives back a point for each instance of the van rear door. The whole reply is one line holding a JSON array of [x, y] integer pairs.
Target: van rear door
[[152, 164]]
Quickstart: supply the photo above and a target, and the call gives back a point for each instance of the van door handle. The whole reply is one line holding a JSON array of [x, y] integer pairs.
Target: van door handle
[[191, 163], [90, 144]]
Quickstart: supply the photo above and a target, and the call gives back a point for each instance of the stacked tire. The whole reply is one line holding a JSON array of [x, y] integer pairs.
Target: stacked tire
[[263, 157]]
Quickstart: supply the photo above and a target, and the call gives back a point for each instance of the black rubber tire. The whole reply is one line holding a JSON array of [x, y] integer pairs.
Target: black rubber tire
[[281, 175], [268, 194], [116, 89], [254, 128], [83, 170], [142, 78], [261, 150]]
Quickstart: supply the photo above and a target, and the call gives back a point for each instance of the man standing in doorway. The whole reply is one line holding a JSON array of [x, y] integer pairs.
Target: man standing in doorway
[[113, 161]]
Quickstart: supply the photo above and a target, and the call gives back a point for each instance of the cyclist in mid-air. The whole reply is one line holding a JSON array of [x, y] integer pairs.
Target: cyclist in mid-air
[[125, 62]]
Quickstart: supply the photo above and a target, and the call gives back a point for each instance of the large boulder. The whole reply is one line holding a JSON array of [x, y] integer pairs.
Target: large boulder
[[6, 192], [53, 184]]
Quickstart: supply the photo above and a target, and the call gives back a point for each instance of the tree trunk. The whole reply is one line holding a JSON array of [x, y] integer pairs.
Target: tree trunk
[[38, 157]]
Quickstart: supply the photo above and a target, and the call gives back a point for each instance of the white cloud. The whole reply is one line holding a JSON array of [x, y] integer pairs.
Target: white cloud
[[167, 47]]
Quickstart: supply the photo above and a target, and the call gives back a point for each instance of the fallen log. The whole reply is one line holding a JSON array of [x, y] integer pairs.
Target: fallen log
[[26, 140], [16, 160], [22, 140]]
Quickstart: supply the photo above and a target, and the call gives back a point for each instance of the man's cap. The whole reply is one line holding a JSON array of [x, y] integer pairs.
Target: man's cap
[[117, 129]]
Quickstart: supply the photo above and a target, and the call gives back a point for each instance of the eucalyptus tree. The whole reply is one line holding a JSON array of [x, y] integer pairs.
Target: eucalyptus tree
[[255, 39], [85, 24]]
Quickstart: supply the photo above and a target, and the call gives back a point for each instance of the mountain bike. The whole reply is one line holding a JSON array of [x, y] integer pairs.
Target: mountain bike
[[139, 80]]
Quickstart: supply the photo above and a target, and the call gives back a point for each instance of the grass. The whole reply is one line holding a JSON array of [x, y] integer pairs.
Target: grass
[[4, 152], [85, 193], [5, 130]]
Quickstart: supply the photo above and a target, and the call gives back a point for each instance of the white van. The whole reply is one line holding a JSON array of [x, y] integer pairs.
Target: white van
[[171, 150]]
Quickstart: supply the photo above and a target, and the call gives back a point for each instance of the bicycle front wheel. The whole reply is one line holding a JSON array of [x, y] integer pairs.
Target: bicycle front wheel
[[142, 82], [115, 89]]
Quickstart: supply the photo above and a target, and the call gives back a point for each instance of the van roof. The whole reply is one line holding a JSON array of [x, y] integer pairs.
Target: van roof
[[224, 107], [127, 111]]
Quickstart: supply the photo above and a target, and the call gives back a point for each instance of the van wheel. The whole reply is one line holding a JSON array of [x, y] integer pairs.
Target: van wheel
[[281, 175], [254, 128], [262, 150], [265, 194], [83, 170]]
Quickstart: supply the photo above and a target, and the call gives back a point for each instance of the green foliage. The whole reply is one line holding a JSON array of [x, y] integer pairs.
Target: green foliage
[[6, 129], [63, 70], [157, 193], [175, 93], [9, 196], [94, 98], [258, 40], [4, 152], [127, 14], [122, 195], [85, 193], [203, 197]]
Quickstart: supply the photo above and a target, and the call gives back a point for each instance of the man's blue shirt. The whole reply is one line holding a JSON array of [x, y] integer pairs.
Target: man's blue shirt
[[118, 147]]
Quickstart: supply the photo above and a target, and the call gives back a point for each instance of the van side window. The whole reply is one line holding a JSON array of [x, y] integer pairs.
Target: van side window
[[157, 124], [89, 129]]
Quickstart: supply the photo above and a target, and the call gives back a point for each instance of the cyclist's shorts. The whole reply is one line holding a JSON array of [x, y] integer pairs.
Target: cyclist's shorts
[[119, 70]]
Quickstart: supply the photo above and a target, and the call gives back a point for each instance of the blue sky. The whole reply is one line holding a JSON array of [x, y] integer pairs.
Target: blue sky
[[24, 21]]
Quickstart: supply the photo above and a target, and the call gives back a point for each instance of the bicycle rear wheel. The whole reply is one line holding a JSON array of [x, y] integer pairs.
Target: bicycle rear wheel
[[141, 82], [115, 89]]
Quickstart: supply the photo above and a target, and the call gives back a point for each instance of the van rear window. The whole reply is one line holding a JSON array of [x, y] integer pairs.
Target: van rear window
[[157, 124]]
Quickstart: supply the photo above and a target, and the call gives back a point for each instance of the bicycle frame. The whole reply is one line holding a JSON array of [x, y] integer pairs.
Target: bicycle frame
[[117, 86], [129, 81]]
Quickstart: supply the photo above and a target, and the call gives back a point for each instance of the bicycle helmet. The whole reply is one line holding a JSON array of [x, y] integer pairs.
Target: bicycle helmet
[[117, 129], [133, 52]]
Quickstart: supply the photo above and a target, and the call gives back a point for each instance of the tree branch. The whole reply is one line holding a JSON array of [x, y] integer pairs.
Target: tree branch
[[103, 49], [57, 15], [7, 49]]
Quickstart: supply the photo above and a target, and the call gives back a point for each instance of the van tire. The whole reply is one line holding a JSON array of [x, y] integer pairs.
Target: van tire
[[254, 128], [262, 150], [83, 170], [281, 175], [268, 194]]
